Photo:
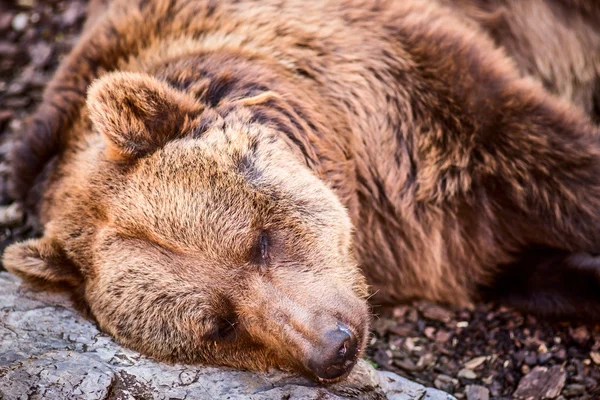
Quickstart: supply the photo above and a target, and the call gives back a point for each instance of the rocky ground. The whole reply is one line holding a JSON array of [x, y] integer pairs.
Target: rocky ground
[[486, 352]]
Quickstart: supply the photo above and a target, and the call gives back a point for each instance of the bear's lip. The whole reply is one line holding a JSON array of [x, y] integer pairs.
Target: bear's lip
[[343, 375]]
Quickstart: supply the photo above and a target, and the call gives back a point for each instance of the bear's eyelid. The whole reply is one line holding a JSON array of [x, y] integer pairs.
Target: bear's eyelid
[[263, 241]]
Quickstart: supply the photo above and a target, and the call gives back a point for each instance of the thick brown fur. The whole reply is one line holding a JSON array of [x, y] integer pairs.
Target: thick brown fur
[[218, 178]]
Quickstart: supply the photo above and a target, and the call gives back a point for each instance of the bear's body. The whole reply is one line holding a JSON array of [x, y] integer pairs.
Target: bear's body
[[228, 148]]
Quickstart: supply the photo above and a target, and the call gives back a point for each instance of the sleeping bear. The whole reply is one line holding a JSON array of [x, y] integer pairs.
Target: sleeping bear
[[226, 182]]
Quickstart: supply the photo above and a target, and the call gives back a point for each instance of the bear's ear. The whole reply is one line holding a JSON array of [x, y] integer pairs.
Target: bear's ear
[[41, 261], [138, 113]]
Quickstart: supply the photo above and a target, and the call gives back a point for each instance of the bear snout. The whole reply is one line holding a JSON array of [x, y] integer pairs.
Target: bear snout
[[336, 354], [319, 331]]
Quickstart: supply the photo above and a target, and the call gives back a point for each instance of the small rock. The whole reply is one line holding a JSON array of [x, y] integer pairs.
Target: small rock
[[476, 392], [412, 315], [574, 389], [411, 344], [17, 102], [11, 215], [5, 20], [437, 313], [475, 362], [403, 330], [467, 374], [399, 312], [541, 383], [5, 117], [25, 3], [381, 326], [74, 11], [561, 355], [544, 357], [19, 22], [9, 50], [595, 356], [382, 358], [581, 334], [429, 332], [462, 324], [424, 361], [442, 336], [40, 54], [406, 364], [444, 382], [531, 359]]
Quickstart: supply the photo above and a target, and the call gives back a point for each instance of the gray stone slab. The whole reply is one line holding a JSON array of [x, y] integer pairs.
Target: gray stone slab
[[49, 351]]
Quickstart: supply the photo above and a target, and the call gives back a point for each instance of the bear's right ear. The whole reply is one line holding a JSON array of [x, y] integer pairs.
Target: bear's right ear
[[41, 261], [138, 113]]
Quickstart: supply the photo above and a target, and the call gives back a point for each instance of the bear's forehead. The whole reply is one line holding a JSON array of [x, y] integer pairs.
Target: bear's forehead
[[193, 204]]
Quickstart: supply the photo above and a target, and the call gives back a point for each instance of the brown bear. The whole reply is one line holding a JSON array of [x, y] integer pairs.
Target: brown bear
[[218, 181]]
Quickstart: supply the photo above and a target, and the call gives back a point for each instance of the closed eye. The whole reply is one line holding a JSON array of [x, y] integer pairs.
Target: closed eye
[[261, 249], [264, 245], [223, 329]]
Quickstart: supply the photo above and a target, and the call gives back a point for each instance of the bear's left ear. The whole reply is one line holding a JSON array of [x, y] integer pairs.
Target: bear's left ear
[[41, 261], [138, 113]]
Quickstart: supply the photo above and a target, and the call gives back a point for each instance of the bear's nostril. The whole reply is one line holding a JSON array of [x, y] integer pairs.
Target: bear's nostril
[[336, 354], [342, 351]]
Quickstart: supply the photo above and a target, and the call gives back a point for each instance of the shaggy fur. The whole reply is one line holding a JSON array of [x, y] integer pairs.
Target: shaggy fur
[[198, 168]]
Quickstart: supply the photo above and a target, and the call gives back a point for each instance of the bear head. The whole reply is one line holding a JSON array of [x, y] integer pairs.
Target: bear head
[[200, 237]]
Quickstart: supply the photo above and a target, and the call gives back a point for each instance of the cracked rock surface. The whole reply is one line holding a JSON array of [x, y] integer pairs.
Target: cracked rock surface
[[49, 351]]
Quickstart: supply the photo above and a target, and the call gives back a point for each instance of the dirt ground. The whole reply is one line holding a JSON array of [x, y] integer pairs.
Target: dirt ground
[[489, 351]]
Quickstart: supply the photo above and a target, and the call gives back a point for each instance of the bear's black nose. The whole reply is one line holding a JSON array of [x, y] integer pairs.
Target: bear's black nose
[[336, 354]]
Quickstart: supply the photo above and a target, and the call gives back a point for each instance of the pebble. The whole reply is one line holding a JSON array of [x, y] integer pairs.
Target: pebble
[[429, 332], [40, 54], [544, 357], [581, 334], [541, 383], [437, 313], [425, 360], [476, 392], [467, 374], [404, 329], [5, 117], [9, 50], [406, 364], [5, 20], [561, 355], [19, 22], [442, 336], [574, 389], [11, 215], [595, 356], [475, 362], [531, 359], [445, 383], [25, 3]]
